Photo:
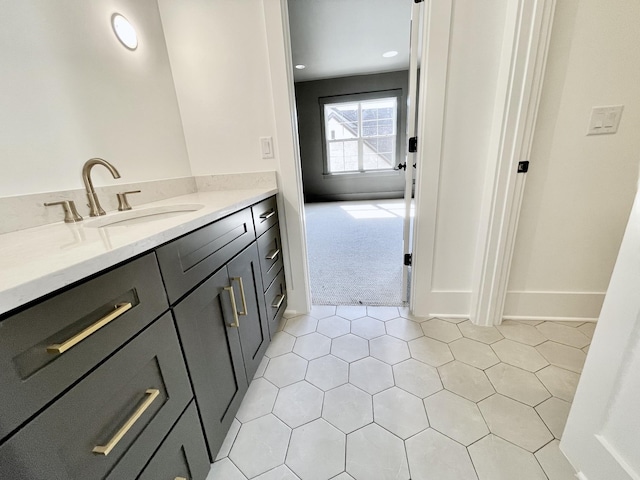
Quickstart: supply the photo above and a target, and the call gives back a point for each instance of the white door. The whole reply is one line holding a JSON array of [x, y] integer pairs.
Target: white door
[[412, 100], [602, 436]]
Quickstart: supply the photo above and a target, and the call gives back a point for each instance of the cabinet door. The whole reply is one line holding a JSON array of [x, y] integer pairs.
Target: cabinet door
[[244, 272], [212, 349]]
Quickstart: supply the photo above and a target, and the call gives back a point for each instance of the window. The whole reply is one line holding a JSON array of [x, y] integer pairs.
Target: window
[[361, 136]]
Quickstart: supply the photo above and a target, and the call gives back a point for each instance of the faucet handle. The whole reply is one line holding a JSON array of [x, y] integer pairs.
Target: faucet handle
[[123, 203], [70, 213]]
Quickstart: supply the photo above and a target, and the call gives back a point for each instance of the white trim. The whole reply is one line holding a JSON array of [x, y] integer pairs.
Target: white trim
[[583, 306], [436, 38], [527, 33], [290, 201]]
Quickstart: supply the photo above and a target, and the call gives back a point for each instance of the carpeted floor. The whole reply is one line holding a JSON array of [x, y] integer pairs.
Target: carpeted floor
[[355, 252]]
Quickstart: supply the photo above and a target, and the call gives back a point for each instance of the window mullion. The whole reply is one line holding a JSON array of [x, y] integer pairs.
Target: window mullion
[[360, 141]]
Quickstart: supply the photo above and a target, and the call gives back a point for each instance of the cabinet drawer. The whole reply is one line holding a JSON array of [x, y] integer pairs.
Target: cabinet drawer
[[276, 299], [183, 453], [33, 369], [270, 250], [265, 215], [187, 261], [109, 424]]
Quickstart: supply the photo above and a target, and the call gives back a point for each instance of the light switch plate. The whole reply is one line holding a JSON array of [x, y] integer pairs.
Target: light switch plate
[[605, 119], [266, 147]]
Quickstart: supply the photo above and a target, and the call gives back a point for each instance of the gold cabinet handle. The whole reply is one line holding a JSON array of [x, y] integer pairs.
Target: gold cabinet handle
[[236, 322], [277, 304], [152, 394], [91, 329], [273, 254], [243, 299], [268, 214], [181, 478]]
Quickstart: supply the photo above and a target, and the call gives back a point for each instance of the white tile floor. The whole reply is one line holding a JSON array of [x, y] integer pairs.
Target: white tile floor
[[370, 393]]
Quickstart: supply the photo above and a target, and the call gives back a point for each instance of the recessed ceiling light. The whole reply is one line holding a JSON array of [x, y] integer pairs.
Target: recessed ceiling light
[[124, 31], [300, 67], [389, 54]]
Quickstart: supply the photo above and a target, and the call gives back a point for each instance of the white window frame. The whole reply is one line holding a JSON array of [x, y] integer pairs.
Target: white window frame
[[359, 98]]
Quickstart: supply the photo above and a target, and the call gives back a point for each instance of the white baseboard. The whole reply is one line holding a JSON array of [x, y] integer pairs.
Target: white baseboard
[[443, 304], [566, 306]]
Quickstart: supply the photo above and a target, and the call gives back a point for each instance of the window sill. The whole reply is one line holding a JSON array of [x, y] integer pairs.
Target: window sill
[[345, 175]]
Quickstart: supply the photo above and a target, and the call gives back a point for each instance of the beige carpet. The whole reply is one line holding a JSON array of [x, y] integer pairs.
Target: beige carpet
[[355, 252]]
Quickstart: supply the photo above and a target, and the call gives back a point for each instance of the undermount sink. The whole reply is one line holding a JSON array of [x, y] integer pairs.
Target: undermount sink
[[143, 215]]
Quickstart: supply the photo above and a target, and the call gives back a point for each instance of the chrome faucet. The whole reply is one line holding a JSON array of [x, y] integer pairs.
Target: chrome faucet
[[94, 205]]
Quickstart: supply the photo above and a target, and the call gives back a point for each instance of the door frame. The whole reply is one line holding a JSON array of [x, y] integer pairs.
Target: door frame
[[523, 60]]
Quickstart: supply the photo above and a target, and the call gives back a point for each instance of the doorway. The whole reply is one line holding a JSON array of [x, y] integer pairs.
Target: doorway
[[352, 80]]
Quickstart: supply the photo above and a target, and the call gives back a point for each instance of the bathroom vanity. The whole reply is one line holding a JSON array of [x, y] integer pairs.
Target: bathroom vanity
[[127, 354]]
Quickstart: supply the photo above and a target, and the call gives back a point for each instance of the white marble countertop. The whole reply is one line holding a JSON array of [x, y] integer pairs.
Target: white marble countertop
[[41, 260]]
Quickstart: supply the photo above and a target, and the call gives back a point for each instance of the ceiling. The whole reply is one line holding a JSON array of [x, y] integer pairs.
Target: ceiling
[[337, 38]]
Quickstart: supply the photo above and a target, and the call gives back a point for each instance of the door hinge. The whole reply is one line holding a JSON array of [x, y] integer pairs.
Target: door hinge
[[408, 257], [413, 144], [418, 1], [523, 167]]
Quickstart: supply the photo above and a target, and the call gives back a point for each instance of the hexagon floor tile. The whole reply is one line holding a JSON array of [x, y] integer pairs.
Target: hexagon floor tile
[[333, 327], [302, 325], [389, 349], [434, 456], [350, 347], [368, 327], [430, 351], [456, 417], [298, 404], [515, 422], [313, 345], [267, 430], [399, 412], [441, 330], [486, 335], [383, 313], [474, 353], [416, 377], [377, 399], [286, 369], [327, 372], [347, 408], [466, 381], [518, 384], [317, 451], [375, 454], [497, 459], [519, 355], [403, 329], [371, 375]]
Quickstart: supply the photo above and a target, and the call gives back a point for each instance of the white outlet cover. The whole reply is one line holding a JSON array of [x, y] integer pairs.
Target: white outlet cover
[[605, 119]]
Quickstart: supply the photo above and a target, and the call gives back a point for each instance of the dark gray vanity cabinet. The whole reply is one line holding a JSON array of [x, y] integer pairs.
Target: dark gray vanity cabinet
[[93, 379]]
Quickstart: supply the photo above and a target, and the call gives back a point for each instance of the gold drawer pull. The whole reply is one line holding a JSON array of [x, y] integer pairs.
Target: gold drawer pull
[[243, 299], [105, 449], [277, 304], [268, 214], [77, 338], [236, 323], [181, 478], [273, 254]]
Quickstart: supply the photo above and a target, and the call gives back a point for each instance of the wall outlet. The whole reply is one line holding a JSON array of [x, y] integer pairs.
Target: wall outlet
[[604, 119], [266, 147]]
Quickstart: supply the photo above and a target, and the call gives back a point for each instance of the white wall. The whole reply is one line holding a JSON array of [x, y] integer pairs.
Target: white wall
[[579, 188], [218, 52], [443, 269], [70, 91]]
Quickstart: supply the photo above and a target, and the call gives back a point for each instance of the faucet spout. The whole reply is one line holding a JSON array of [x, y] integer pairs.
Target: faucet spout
[[94, 203]]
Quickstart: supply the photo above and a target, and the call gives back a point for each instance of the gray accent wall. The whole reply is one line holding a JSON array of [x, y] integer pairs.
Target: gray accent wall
[[319, 187]]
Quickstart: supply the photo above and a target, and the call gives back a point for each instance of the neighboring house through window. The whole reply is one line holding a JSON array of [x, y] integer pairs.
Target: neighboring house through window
[[360, 132]]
